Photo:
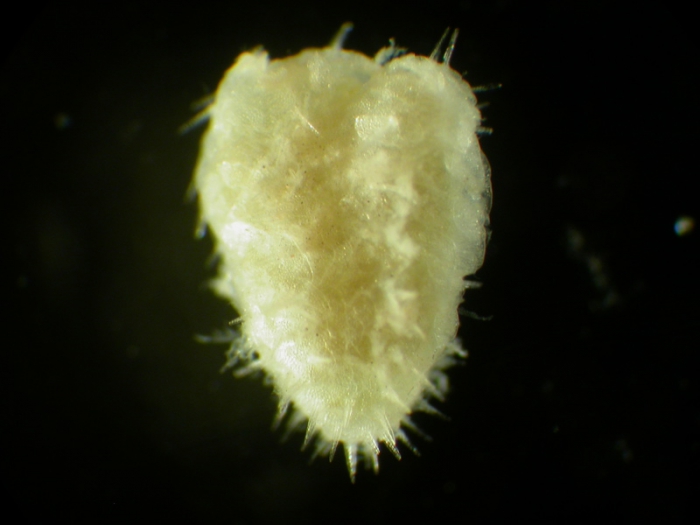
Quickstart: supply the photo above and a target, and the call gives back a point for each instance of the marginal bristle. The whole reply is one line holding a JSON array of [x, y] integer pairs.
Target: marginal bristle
[[375, 462], [334, 447], [341, 35], [401, 435], [282, 410], [393, 449], [447, 55], [309, 435], [351, 460]]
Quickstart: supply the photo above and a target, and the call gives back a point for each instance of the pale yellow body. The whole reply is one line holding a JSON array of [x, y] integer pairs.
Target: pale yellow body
[[348, 200]]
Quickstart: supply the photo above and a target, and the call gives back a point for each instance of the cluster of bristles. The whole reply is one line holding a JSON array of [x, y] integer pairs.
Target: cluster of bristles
[[244, 361]]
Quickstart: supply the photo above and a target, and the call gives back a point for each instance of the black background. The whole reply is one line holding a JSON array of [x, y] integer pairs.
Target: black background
[[579, 401]]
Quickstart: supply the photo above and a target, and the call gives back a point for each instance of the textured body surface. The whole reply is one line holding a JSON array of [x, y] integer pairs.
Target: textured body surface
[[348, 199]]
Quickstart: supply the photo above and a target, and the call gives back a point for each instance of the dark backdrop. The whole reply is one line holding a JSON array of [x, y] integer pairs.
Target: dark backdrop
[[579, 401]]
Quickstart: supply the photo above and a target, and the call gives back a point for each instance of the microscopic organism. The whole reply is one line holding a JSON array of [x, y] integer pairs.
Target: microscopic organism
[[348, 199]]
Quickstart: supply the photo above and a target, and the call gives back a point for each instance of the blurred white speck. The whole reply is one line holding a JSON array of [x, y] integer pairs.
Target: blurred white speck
[[684, 225]]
